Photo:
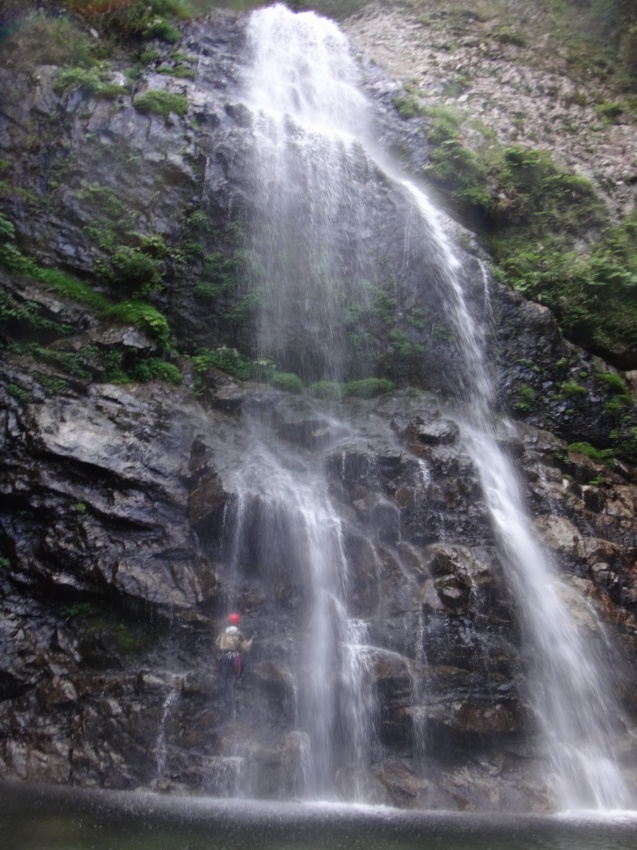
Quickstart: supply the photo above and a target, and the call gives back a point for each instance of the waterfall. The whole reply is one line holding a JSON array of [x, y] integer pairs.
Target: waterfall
[[571, 695], [312, 170], [286, 509]]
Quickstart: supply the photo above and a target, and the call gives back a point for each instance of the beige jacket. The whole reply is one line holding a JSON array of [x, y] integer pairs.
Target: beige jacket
[[232, 640]]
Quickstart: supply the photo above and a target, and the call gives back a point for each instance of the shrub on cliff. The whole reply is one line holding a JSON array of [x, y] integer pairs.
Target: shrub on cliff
[[161, 103]]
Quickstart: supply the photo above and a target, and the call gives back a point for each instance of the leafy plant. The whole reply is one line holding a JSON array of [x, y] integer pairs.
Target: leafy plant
[[225, 359], [153, 368], [136, 270], [144, 316]]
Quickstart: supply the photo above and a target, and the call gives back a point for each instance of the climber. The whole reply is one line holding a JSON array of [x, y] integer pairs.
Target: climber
[[231, 643]]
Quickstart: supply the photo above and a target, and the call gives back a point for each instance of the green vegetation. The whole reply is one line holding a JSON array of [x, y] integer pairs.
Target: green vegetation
[[79, 609], [91, 81], [326, 389], [403, 345], [598, 455], [571, 389], [525, 399], [161, 103], [51, 384], [19, 393], [287, 381], [42, 40], [222, 273], [409, 106], [143, 316], [142, 19], [29, 317], [226, 360], [134, 270], [153, 368], [112, 222], [530, 213], [27, 327], [365, 388]]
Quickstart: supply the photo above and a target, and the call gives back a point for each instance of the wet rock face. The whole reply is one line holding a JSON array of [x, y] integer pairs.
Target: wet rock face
[[118, 516], [89, 171], [120, 550]]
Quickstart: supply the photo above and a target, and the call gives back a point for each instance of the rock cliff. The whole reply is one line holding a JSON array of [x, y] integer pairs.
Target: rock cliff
[[118, 505]]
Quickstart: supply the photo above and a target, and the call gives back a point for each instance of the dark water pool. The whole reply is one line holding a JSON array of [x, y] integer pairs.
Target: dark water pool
[[50, 819]]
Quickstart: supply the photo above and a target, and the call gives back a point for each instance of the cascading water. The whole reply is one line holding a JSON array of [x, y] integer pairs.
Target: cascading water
[[286, 507], [572, 697], [312, 165]]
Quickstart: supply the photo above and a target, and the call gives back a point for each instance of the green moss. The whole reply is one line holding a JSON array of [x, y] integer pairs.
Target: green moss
[[614, 382], [525, 398], [7, 230], [51, 384], [148, 55], [112, 222], [287, 381], [73, 363], [367, 388], [177, 71], [408, 106], [571, 389], [163, 31], [161, 103], [326, 390], [143, 316], [616, 406], [19, 393], [459, 169], [608, 112], [445, 124], [91, 81], [583, 448], [73, 289], [80, 609]]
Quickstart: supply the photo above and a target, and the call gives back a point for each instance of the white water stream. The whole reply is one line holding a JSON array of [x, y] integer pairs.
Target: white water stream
[[286, 506], [313, 128]]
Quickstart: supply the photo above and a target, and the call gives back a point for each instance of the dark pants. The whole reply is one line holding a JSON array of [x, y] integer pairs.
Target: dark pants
[[230, 671]]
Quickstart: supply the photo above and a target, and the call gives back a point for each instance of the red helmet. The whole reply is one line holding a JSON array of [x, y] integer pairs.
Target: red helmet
[[234, 619]]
